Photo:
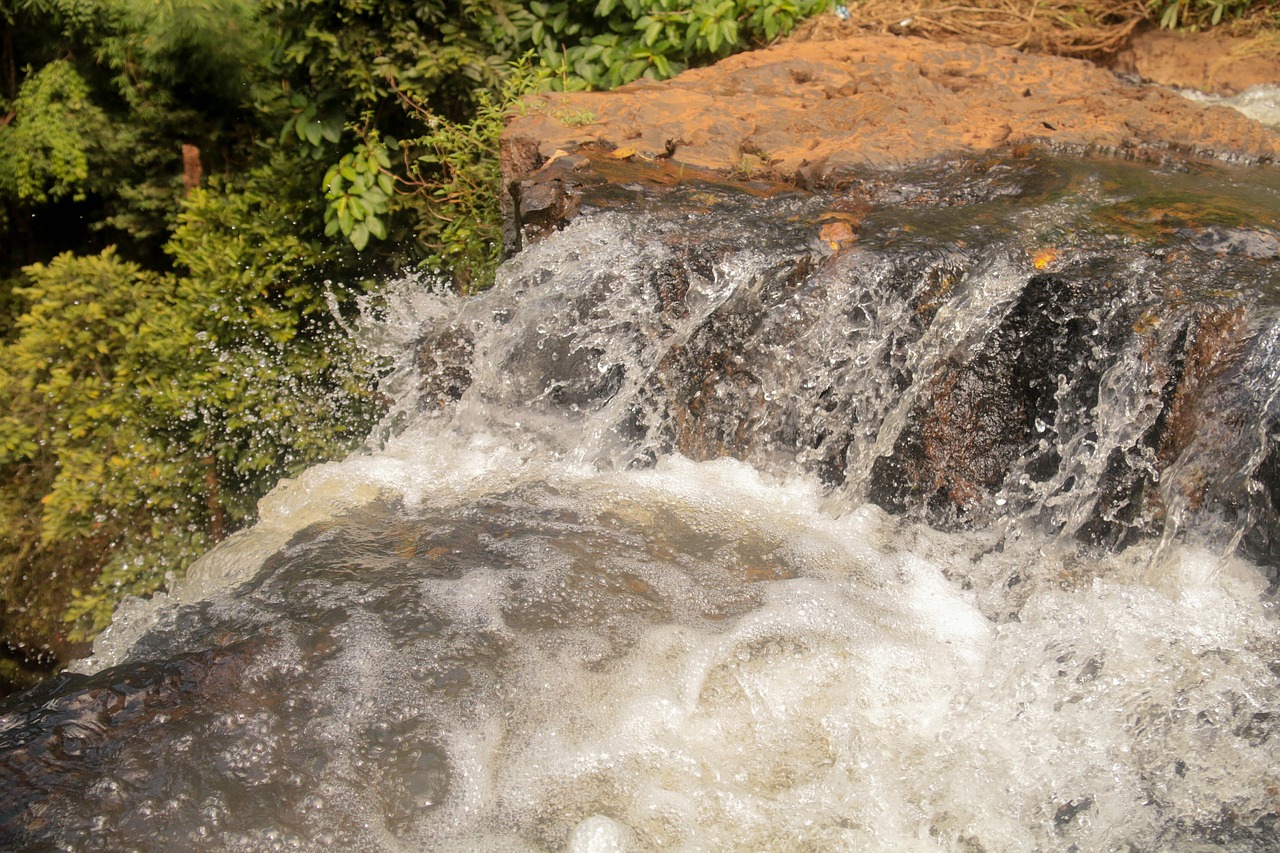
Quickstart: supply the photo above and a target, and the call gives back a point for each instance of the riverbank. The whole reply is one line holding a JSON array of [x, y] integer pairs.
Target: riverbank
[[820, 108]]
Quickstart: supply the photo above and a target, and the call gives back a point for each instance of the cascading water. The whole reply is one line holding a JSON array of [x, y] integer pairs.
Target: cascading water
[[713, 529]]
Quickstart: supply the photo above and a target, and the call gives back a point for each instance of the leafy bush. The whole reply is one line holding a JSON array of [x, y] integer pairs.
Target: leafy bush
[[149, 411], [57, 129], [76, 439], [446, 181], [601, 44]]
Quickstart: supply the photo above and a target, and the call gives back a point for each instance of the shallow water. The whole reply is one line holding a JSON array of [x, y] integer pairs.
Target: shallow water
[[544, 612]]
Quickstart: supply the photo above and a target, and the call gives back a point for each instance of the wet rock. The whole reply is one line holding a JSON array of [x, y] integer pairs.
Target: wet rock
[[443, 367], [903, 124], [1112, 391]]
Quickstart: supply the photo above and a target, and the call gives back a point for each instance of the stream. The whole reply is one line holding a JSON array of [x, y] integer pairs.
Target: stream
[[936, 514]]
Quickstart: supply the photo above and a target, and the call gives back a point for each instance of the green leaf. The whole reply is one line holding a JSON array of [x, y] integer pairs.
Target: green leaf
[[331, 128], [633, 69], [376, 227], [729, 29], [330, 177], [360, 236]]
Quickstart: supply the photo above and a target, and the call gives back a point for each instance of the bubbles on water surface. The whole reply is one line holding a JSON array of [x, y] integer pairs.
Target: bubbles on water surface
[[528, 622], [690, 657]]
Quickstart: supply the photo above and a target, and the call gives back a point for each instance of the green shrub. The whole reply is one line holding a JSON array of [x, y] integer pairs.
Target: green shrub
[[78, 444], [148, 412], [601, 44], [443, 183], [1198, 14], [57, 130]]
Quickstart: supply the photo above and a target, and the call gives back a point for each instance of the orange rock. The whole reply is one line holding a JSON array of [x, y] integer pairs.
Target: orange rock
[[1043, 258], [821, 110], [837, 234]]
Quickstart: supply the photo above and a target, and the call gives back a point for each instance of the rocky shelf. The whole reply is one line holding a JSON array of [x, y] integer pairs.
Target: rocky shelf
[[817, 113]]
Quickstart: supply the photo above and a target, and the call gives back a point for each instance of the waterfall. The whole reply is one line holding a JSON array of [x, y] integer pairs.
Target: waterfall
[[712, 529]]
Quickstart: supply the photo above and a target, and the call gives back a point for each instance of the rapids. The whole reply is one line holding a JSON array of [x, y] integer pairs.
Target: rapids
[[713, 528]]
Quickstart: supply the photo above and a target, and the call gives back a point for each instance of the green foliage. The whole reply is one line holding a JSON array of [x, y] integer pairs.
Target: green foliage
[[161, 51], [437, 51], [110, 90], [600, 44], [149, 411], [358, 190], [455, 177], [273, 385], [56, 131], [68, 376], [75, 434], [447, 187], [1197, 14], [312, 121]]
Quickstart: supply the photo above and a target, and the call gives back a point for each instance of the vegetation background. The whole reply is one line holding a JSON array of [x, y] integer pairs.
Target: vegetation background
[[190, 189], [186, 188]]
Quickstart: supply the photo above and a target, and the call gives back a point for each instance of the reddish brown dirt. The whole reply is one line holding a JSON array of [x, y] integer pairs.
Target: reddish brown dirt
[[808, 112], [1205, 61]]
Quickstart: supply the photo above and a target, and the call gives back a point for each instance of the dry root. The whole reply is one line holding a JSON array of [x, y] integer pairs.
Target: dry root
[[1084, 28]]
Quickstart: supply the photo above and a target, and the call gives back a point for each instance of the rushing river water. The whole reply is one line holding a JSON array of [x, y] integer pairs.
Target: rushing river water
[[936, 515]]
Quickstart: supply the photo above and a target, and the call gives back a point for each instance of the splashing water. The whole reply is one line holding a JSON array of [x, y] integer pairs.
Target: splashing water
[[1260, 103], [703, 533]]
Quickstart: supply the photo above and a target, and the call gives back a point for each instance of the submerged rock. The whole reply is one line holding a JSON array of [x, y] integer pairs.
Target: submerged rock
[[904, 130]]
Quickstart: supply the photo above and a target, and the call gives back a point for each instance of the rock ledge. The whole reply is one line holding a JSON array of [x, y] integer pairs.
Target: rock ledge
[[813, 114]]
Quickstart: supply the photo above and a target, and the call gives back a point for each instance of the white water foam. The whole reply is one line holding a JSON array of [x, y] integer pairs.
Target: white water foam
[[771, 670], [1260, 103], [546, 650]]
